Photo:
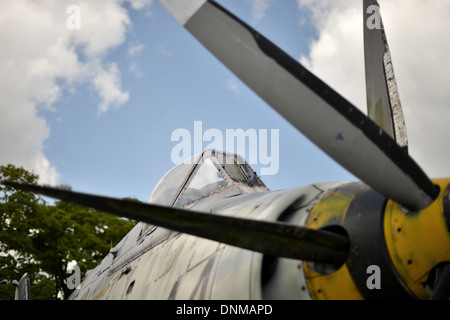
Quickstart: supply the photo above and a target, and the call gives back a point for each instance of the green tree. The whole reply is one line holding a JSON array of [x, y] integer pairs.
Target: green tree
[[41, 239], [19, 214]]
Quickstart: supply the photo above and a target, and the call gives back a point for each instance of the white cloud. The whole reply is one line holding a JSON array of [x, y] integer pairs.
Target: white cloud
[[41, 58], [135, 69], [338, 51], [163, 50], [103, 26], [107, 84], [233, 86], [140, 4], [416, 32], [135, 49], [259, 8]]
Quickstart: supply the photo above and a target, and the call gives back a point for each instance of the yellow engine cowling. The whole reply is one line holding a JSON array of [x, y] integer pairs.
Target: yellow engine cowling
[[388, 244]]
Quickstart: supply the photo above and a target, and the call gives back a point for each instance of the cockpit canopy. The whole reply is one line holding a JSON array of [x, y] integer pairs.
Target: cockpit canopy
[[203, 175]]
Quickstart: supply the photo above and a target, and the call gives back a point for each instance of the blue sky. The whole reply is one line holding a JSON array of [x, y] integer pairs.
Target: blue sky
[[107, 129], [125, 151]]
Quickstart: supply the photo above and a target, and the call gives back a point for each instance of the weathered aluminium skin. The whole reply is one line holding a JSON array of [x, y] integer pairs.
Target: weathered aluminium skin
[[162, 264]]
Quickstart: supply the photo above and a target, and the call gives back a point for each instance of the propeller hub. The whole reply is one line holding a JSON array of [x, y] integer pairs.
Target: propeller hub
[[404, 246], [419, 241]]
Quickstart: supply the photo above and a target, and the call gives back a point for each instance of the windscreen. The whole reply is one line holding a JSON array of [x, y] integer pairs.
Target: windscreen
[[207, 180], [170, 185]]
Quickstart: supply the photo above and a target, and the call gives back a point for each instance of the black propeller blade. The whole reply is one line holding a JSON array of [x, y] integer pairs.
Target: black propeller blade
[[326, 118], [271, 238]]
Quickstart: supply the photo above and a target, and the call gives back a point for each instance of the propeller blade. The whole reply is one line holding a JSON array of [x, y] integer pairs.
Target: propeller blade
[[315, 109], [383, 101], [270, 238]]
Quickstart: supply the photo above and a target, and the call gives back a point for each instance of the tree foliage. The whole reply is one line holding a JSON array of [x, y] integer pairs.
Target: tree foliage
[[41, 239]]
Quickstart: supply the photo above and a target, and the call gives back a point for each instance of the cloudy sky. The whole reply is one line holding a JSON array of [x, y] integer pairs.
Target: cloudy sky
[[92, 91]]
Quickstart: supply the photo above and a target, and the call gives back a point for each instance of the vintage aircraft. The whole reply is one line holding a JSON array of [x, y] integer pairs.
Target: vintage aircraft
[[212, 229]]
